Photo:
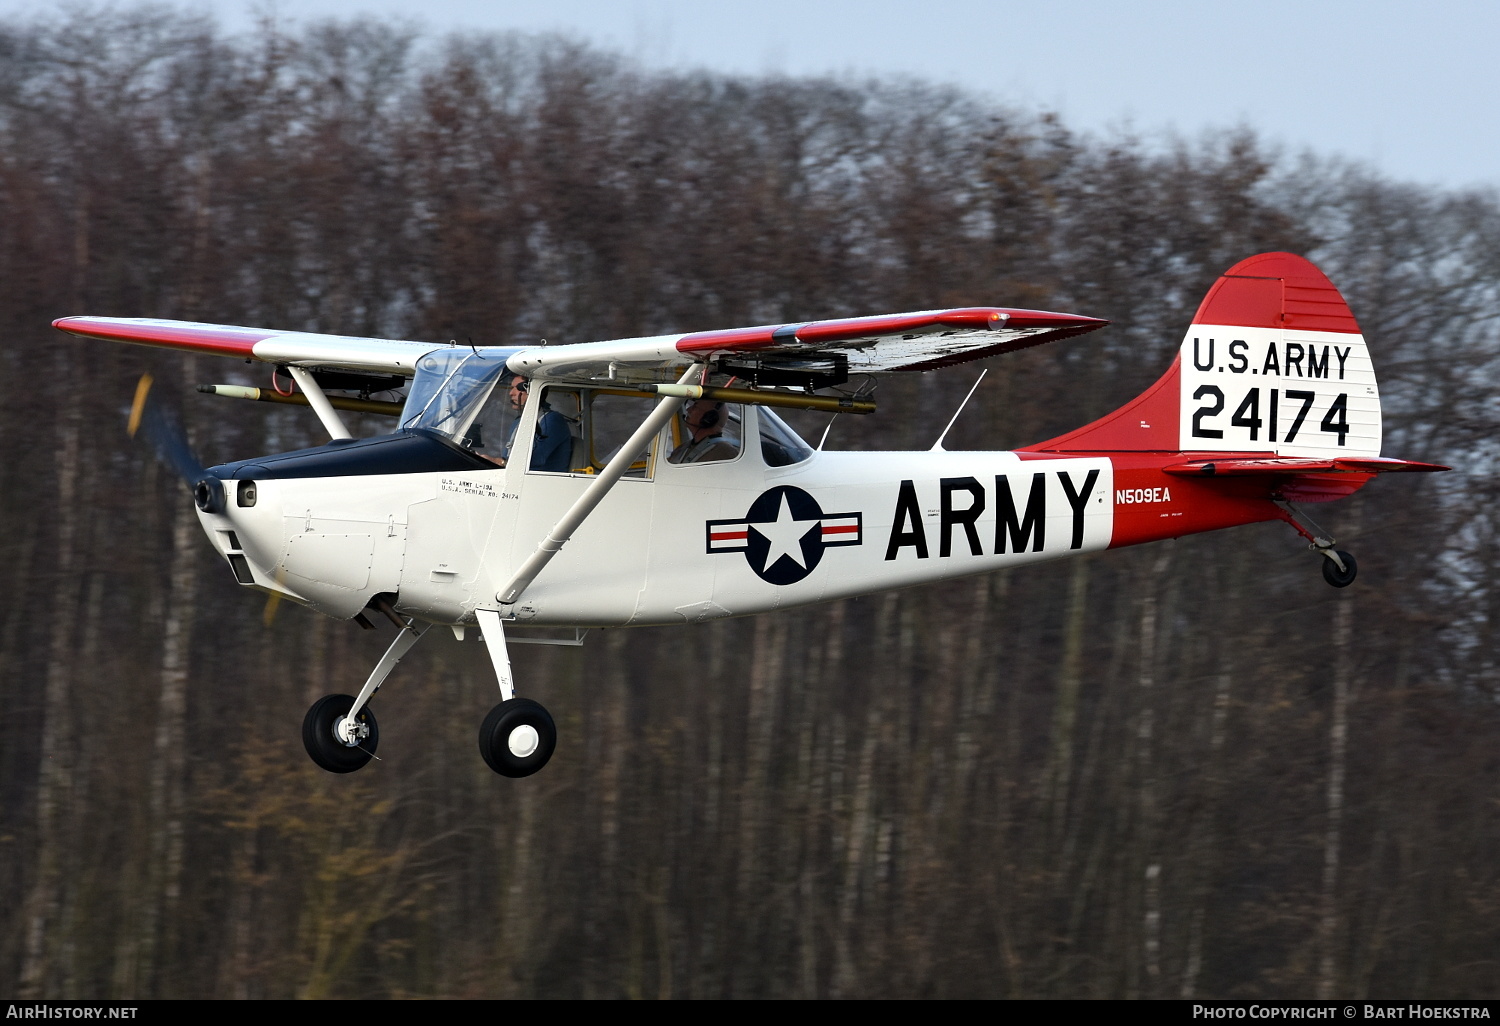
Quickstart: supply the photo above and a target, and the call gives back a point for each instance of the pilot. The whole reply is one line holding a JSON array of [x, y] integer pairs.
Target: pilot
[[705, 420], [552, 448]]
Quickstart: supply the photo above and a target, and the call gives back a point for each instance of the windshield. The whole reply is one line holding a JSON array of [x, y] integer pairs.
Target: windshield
[[448, 388]]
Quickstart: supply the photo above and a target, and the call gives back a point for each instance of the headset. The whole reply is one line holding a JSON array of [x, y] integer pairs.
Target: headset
[[710, 419]]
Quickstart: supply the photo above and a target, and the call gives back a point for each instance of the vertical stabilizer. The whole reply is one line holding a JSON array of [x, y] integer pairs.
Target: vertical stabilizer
[[1273, 362]]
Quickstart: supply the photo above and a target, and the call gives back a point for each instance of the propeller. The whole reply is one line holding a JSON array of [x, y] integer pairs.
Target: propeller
[[160, 425], [156, 420], [273, 601]]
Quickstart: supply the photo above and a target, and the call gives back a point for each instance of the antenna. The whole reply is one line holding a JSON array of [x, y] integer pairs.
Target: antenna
[[938, 445], [827, 428]]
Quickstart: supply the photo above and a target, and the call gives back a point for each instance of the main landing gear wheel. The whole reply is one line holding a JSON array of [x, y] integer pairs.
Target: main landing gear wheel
[[1336, 577], [517, 738], [325, 747]]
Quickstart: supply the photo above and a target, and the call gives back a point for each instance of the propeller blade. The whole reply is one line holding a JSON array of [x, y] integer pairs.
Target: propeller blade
[[273, 602], [158, 423]]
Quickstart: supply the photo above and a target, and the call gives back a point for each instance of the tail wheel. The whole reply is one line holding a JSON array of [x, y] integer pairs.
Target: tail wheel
[[517, 738], [323, 744], [1340, 578]]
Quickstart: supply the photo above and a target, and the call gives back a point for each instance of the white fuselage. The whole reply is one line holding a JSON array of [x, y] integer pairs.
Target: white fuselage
[[688, 542]]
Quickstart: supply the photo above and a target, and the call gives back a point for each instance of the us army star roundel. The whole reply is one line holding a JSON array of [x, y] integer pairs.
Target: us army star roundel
[[784, 534]]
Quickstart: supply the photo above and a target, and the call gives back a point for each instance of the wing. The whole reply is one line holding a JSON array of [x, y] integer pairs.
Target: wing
[[305, 349], [859, 345], [918, 341]]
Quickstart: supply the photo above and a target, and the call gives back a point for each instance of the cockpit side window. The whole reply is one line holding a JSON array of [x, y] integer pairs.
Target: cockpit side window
[[610, 418], [551, 443], [558, 446], [575, 431]]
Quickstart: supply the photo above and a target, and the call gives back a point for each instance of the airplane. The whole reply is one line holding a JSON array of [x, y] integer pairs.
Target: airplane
[[650, 481]]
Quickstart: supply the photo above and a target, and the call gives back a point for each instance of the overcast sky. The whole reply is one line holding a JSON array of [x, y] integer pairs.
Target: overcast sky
[[1409, 87]]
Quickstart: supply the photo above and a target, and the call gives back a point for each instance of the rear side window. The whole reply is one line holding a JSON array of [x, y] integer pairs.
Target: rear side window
[[707, 431], [779, 445]]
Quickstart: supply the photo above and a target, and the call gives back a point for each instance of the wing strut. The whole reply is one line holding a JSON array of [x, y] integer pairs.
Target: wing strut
[[319, 402], [593, 495]]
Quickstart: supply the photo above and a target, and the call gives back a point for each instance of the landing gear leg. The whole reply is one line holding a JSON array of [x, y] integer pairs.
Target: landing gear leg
[[1339, 568], [518, 736], [339, 732]]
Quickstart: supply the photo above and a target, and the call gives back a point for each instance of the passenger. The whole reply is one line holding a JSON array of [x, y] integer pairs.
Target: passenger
[[705, 420], [552, 447]]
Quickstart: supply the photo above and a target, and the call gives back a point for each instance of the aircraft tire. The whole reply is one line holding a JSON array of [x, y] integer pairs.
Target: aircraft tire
[[517, 738], [1340, 578], [324, 748]]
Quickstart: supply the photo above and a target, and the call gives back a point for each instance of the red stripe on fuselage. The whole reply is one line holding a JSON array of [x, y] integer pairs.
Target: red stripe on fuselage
[[1195, 504]]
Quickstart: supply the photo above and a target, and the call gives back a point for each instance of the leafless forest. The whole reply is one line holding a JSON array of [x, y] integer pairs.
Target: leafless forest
[[1190, 769]]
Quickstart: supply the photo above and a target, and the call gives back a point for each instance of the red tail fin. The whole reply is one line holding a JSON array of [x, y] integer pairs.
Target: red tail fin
[[1148, 423], [1273, 362]]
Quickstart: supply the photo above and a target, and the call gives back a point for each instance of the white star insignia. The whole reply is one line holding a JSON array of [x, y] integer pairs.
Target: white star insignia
[[785, 535]]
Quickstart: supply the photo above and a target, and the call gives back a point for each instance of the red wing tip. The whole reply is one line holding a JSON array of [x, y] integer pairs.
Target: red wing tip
[[220, 339], [1050, 318], [1412, 465], [1386, 465]]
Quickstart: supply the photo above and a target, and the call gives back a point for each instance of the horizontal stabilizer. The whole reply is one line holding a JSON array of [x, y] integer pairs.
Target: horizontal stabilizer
[[1293, 465]]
